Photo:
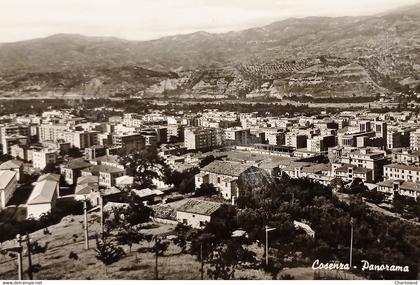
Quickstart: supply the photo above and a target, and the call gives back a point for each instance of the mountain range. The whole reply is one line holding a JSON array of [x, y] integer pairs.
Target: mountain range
[[313, 56]]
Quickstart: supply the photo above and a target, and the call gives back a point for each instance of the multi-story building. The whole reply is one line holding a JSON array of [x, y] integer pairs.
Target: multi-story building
[[129, 142], [320, 144], [73, 169], [415, 140], [354, 139], [404, 188], [106, 173], [201, 138], [8, 141], [80, 139], [405, 156], [398, 137], [237, 136], [402, 172], [224, 175], [296, 140], [51, 132], [15, 129], [278, 138], [44, 157], [367, 158]]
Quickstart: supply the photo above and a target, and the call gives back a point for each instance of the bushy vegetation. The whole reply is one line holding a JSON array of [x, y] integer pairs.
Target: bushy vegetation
[[9, 229], [377, 238]]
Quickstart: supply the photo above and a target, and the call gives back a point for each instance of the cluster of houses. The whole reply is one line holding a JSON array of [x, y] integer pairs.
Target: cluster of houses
[[383, 150]]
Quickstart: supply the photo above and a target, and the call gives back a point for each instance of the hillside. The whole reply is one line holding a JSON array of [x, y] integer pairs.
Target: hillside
[[134, 266], [298, 56]]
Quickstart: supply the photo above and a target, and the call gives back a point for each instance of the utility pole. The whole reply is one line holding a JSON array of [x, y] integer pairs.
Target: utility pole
[[19, 253], [28, 243], [351, 242], [156, 259], [86, 230], [202, 261], [18, 250], [102, 214], [267, 229]]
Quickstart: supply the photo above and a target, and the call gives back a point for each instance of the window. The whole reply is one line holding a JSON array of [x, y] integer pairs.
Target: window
[[218, 179], [184, 221]]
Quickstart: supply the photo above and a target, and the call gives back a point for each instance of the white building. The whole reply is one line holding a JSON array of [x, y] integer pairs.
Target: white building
[[8, 183], [41, 158], [42, 199]]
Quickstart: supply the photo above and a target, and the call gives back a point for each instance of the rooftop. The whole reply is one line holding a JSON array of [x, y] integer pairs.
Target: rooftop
[[200, 207], [5, 177], [76, 164], [103, 168], [43, 192], [11, 164], [226, 168]]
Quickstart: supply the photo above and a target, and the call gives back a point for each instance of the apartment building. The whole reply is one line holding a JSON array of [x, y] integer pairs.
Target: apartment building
[[201, 138], [15, 130], [295, 140], [415, 140], [80, 139], [51, 132], [8, 141], [368, 158], [237, 136], [405, 156], [402, 172], [320, 144], [130, 142], [43, 157]]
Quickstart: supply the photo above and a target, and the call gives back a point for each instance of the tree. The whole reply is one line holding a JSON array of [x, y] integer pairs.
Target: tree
[[130, 236], [183, 182], [107, 252], [128, 223], [144, 166], [206, 190], [159, 249], [207, 160], [356, 187], [374, 196], [225, 258]]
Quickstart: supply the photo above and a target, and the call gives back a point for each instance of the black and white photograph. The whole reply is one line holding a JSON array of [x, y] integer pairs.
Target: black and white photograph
[[145, 140]]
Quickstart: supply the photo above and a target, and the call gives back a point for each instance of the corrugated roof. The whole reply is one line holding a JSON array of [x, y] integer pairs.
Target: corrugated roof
[[200, 207], [43, 192]]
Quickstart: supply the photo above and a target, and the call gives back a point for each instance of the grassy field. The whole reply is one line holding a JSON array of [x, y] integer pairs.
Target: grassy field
[[56, 264], [67, 237]]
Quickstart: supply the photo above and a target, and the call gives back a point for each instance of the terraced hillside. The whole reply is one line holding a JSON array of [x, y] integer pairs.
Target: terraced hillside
[[317, 56]]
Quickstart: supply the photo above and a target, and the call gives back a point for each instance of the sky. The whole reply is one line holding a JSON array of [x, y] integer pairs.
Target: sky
[[150, 19]]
